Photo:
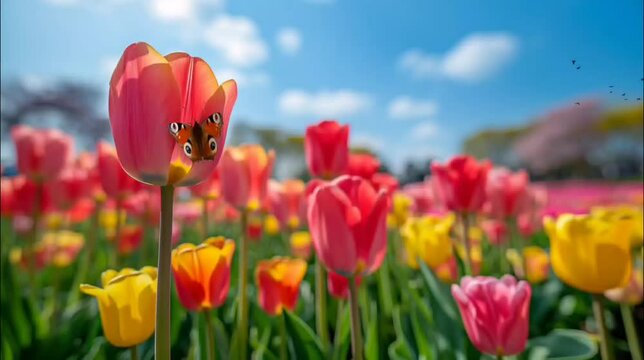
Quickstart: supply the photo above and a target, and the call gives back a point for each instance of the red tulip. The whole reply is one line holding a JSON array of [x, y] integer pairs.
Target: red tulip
[[6, 196], [145, 204], [287, 202], [460, 184], [129, 239], [41, 154], [506, 193], [338, 285], [148, 92], [254, 229], [348, 222], [115, 181], [496, 313], [69, 187], [278, 282], [363, 165], [326, 146], [29, 197], [244, 175]]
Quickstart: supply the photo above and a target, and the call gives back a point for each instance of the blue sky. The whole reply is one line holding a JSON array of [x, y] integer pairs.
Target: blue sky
[[413, 78]]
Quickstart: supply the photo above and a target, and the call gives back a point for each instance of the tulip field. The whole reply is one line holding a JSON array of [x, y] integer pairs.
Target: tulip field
[[166, 241]]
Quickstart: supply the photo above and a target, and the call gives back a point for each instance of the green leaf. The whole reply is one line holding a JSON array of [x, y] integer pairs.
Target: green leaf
[[398, 350], [420, 320], [372, 342], [562, 344], [342, 341], [449, 334], [302, 338]]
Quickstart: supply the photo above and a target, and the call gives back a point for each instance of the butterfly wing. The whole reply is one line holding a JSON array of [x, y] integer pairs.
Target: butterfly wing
[[212, 128], [185, 135]]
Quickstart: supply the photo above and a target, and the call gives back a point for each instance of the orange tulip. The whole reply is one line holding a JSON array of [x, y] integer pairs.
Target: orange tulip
[[278, 280], [244, 175], [202, 273]]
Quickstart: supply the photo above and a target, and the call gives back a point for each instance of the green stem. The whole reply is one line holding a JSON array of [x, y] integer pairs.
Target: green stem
[[243, 281], [499, 357], [134, 353], [384, 288], [356, 332], [338, 322], [35, 218], [162, 334], [605, 346], [117, 232], [320, 304], [467, 262], [283, 338], [631, 332], [88, 259], [204, 218], [211, 336]]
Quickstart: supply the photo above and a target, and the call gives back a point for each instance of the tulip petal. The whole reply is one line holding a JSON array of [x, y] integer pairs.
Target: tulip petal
[[332, 238], [144, 99]]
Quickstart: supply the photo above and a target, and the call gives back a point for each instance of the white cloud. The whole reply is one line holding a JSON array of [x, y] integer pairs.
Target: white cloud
[[243, 78], [424, 131], [331, 104], [405, 107], [173, 10], [476, 57], [238, 39], [289, 40]]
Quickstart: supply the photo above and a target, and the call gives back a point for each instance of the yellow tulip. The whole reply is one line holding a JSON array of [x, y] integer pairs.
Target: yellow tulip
[[127, 304], [427, 238], [107, 219], [625, 212], [271, 225], [400, 211], [590, 253], [301, 244], [536, 262]]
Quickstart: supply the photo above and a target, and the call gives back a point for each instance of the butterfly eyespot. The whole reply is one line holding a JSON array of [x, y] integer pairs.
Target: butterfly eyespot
[[187, 148], [174, 127], [212, 144], [217, 117]]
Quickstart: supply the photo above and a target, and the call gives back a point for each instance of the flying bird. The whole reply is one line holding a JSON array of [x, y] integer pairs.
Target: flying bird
[[611, 86], [639, 99], [577, 103], [578, 67], [610, 92], [574, 61], [624, 94]]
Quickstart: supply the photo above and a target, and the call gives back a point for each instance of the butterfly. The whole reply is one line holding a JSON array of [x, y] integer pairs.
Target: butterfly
[[199, 141]]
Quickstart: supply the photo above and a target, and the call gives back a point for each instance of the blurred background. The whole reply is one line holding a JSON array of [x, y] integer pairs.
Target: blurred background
[[551, 86]]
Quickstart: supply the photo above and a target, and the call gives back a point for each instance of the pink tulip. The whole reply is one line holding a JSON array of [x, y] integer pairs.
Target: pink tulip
[[326, 146], [41, 154], [496, 313], [208, 189], [506, 192], [145, 204], [115, 181], [363, 165], [148, 92], [287, 202], [244, 175], [348, 223], [460, 184], [422, 195], [496, 231]]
